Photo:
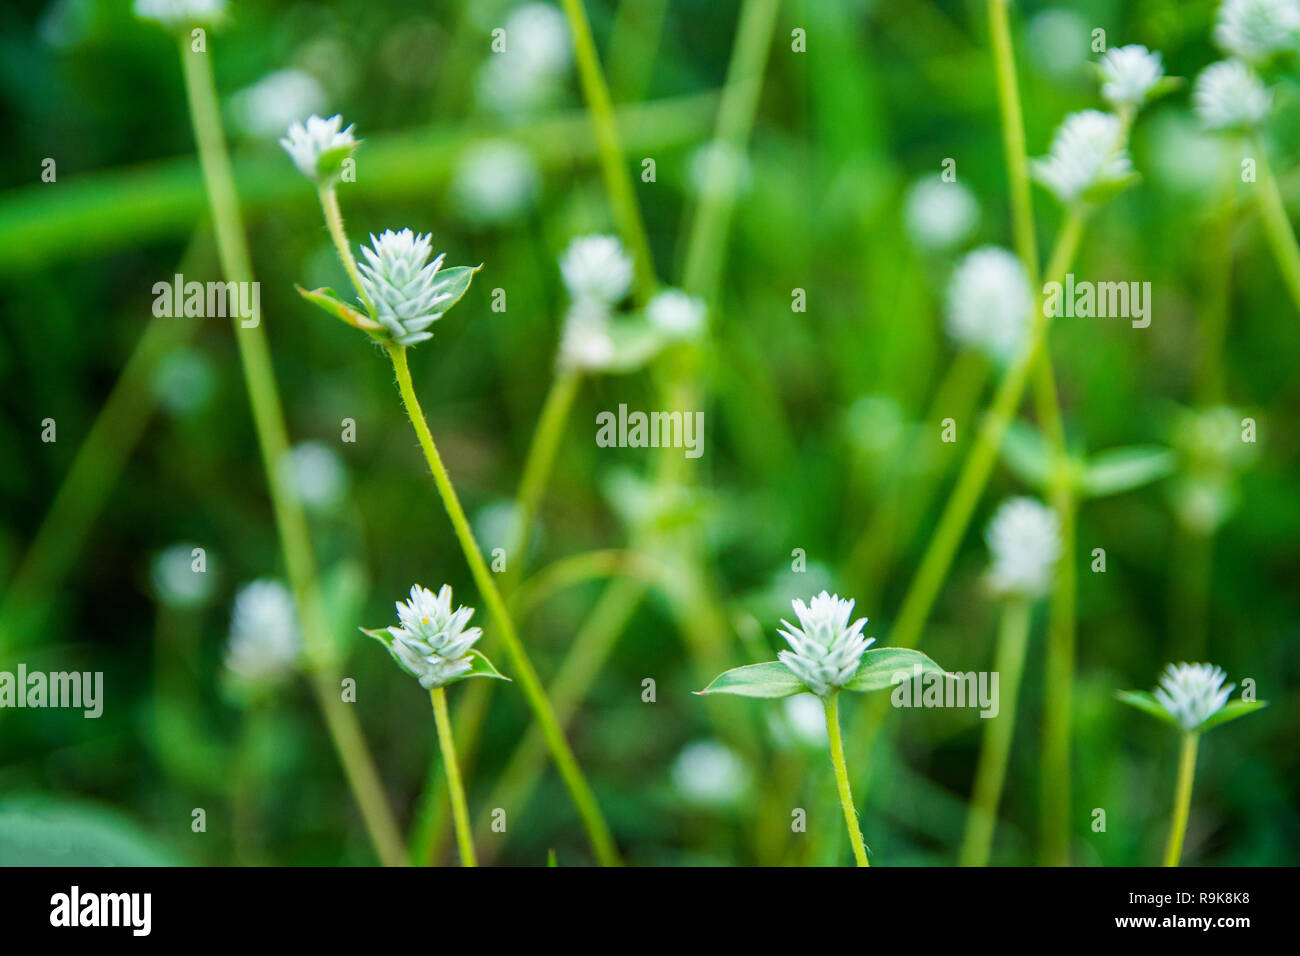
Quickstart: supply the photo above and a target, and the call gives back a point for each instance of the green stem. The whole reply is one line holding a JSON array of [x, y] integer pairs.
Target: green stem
[[991, 772], [1281, 237], [1182, 800], [329, 203], [1054, 776], [268, 421], [842, 778], [526, 676], [1013, 138], [455, 786]]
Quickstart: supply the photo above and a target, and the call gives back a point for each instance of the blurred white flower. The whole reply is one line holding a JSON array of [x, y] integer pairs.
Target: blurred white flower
[[264, 638], [1229, 96], [596, 268], [317, 473], [717, 169], [1192, 693], [989, 303], [177, 14], [807, 720], [175, 581], [184, 382], [586, 344], [1129, 74], [495, 181], [403, 285], [676, 314], [1058, 42], [1255, 30], [708, 773], [1087, 154], [319, 146], [276, 101], [529, 71], [940, 215], [1024, 540], [433, 642], [825, 649]]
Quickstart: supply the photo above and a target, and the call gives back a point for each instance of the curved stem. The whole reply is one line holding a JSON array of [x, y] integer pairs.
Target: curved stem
[[1281, 237], [1013, 637], [329, 203], [526, 676], [1013, 138], [832, 704], [456, 786], [1182, 800]]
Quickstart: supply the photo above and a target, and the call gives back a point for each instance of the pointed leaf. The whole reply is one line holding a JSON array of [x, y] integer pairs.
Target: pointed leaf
[[1123, 469], [881, 667], [1231, 711], [1148, 704], [770, 680], [453, 282], [328, 300], [480, 667]]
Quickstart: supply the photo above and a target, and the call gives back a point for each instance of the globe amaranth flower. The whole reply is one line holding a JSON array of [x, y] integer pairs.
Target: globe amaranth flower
[[1024, 539], [403, 285], [1129, 74], [989, 303], [939, 215], [181, 14], [318, 147], [276, 101], [1256, 30], [709, 773], [587, 342], [825, 649], [596, 268], [1192, 693], [676, 314], [265, 641], [433, 642], [1229, 96], [1087, 157]]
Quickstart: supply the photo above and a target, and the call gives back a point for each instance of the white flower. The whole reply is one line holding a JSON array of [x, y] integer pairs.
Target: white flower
[[402, 284], [586, 343], [319, 147], [716, 169], [1229, 96], [495, 180], [264, 637], [537, 38], [1129, 74], [990, 303], [175, 14], [275, 101], [433, 642], [1192, 693], [1087, 154], [939, 215], [806, 720], [676, 314], [596, 267], [1024, 538], [825, 649], [1058, 42], [1255, 30], [317, 473], [175, 580], [707, 772]]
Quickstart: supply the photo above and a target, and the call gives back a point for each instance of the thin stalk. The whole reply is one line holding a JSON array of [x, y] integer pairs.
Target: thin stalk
[[1013, 137], [455, 786], [268, 421], [1058, 691], [1277, 227], [1182, 799], [842, 778], [329, 203], [991, 772], [525, 674]]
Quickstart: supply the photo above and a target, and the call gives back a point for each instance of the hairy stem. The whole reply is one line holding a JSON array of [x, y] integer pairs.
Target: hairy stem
[[329, 204], [455, 786], [1182, 800], [842, 778]]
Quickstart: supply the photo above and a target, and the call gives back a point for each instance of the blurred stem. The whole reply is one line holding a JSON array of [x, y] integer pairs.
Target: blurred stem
[[575, 569], [579, 790], [634, 42], [1182, 800], [832, 704], [1058, 691], [1009, 663], [1189, 592], [1277, 227], [268, 420], [1013, 138], [329, 203], [595, 92], [455, 786]]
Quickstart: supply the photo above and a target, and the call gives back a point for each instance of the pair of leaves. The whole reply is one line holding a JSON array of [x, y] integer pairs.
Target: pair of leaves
[[452, 282], [480, 666], [1233, 709], [1105, 473], [880, 668]]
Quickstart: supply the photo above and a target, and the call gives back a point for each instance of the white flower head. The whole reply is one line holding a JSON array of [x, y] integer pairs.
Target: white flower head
[[597, 268], [276, 101], [433, 642], [402, 284], [1256, 30], [825, 649], [587, 343], [181, 14], [1087, 157], [1129, 74], [495, 181], [1024, 540], [264, 638], [537, 39], [801, 720], [709, 773], [318, 147], [940, 215], [1192, 693], [989, 303], [1229, 96], [676, 314], [317, 472], [177, 580], [716, 169]]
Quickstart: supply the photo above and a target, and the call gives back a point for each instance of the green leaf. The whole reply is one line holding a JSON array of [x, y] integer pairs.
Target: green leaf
[[480, 667], [1148, 704], [329, 164], [881, 667], [1026, 454], [770, 680], [40, 831], [1123, 469], [1109, 189], [453, 281], [1231, 711], [328, 300]]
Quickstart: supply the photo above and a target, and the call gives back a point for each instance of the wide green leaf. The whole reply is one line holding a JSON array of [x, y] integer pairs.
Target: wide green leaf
[[770, 680], [480, 666], [454, 282], [887, 666], [1148, 704], [328, 300], [1123, 469], [1231, 711], [42, 831]]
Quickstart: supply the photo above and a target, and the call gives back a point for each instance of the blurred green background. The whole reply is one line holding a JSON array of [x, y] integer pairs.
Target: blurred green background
[[807, 415]]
